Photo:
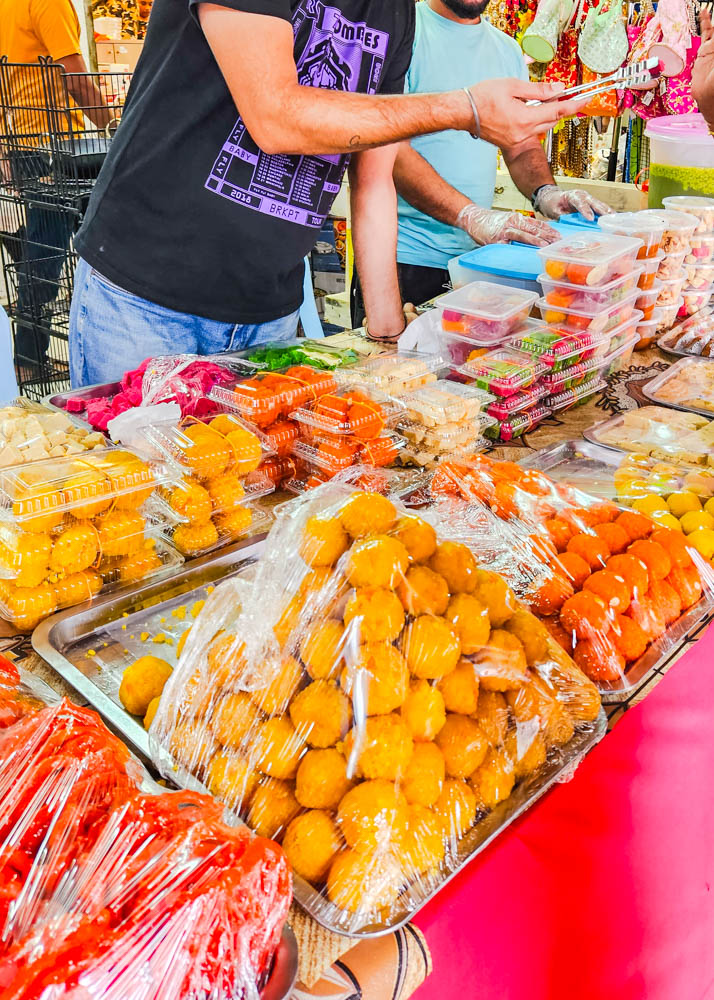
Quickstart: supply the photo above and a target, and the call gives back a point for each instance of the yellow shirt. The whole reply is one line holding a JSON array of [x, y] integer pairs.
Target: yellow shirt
[[30, 29]]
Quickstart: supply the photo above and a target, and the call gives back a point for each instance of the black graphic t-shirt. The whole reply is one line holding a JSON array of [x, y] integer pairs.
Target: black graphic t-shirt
[[188, 212]]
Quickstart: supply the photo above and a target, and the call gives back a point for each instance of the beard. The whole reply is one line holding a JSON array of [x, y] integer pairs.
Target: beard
[[466, 9]]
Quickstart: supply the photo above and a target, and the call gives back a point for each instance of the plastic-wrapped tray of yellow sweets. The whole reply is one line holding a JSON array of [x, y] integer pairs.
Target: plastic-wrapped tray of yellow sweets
[[92, 647], [376, 701]]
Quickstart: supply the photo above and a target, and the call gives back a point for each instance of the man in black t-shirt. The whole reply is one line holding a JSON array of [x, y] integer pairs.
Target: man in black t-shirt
[[241, 120]]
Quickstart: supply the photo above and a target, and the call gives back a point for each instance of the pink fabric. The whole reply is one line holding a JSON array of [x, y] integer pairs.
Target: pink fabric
[[605, 890]]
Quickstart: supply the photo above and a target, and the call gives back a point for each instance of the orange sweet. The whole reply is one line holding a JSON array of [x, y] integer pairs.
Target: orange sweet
[[666, 598], [555, 269], [633, 571], [377, 561], [191, 500], [578, 273], [604, 511], [614, 536], [561, 636], [573, 567], [654, 556], [551, 595], [591, 548], [629, 638], [580, 518], [559, 531], [610, 588], [505, 503], [431, 647], [456, 563], [676, 546], [599, 659], [585, 614], [423, 592], [560, 298], [648, 616], [75, 549], [636, 525], [687, 585], [417, 536]]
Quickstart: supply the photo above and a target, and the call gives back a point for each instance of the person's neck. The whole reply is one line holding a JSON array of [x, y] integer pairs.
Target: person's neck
[[439, 8]]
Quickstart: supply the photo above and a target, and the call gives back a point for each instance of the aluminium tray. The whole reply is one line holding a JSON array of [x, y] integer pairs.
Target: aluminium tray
[[64, 640], [651, 388], [573, 462]]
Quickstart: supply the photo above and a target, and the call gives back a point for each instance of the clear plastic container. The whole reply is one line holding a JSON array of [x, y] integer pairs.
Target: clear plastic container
[[698, 275], [568, 399], [668, 314], [560, 351], [694, 299], [592, 320], [648, 300], [563, 295], [701, 249], [670, 291], [205, 450], [332, 455], [504, 372], [395, 373], [484, 313], [353, 411], [591, 259], [445, 403], [193, 540], [693, 336], [31, 432], [679, 228], [267, 396], [503, 409], [620, 353], [426, 446], [278, 438], [650, 269], [701, 208], [640, 226], [518, 425], [279, 469], [647, 331], [671, 266]]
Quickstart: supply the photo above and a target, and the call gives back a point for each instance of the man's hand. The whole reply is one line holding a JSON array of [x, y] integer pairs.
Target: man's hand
[[703, 72], [552, 202], [487, 226], [505, 118]]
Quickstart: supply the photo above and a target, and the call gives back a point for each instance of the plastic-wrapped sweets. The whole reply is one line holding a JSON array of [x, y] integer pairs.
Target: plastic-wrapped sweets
[[376, 695], [608, 582], [109, 892]]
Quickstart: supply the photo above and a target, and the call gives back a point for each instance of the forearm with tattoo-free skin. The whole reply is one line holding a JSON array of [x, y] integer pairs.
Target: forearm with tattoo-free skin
[[529, 169], [374, 235], [255, 55], [419, 184]]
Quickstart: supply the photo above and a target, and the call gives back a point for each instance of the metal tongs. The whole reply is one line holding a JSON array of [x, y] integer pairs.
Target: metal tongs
[[635, 75]]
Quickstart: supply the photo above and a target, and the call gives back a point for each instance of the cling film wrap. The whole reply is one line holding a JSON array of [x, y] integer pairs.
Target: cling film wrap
[[615, 587], [112, 891], [71, 527], [659, 432], [369, 700], [21, 693], [187, 380]]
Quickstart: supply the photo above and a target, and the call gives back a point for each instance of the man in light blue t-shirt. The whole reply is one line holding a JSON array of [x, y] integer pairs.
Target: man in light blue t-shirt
[[446, 180]]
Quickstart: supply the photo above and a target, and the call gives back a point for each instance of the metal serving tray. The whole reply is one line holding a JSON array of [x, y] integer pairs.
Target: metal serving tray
[[73, 642], [665, 341], [652, 387], [64, 641], [578, 463], [593, 435]]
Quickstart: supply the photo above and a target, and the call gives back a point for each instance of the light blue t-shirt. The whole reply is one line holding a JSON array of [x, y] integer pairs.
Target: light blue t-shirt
[[449, 56]]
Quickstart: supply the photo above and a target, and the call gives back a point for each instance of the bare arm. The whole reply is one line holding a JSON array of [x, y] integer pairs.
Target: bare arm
[[374, 233], [528, 168], [84, 91], [419, 184], [285, 117]]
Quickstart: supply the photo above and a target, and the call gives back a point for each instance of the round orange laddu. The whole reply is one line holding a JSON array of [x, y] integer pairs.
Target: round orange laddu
[[372, 815], [417, 536], [591, 548], [585, 615], [611, 589], [469, 619], [321, 649], [614, 536], [387, 677], [323, 541], [423, 710], [463, 745], [666, 599], [321, 780], [633, 571], [423, 592], [456, 563], [377, 612], [423, 844], [377, 561], [385, 747], [430, 646], [460, 688], [599, 659], [424, 776], [628, 638], [322, 713], [367, 514], [311, 843]]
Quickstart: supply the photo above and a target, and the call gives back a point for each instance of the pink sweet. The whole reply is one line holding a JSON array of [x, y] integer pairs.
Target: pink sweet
[[76, 405]]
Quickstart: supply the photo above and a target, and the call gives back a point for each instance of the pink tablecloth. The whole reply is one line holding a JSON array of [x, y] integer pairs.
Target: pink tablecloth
[[605, 890]]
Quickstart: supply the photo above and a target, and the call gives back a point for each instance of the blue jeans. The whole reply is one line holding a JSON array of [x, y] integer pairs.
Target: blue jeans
[[112, 331]]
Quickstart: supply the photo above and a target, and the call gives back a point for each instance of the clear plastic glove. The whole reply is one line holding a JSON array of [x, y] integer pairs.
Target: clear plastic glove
[[552, 202], [484, 225]]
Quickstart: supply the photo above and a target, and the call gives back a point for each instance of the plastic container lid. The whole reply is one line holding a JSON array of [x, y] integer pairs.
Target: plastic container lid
[[267, 396], [595, 319], [502, 409], [445, 403], [205, 450], [649, 294], [353, 410], [691, 204], [676, 220], [484, 312], [445, 440], [504, 371], [603, 293], [512, 260], [395, 373], [570, 397], [689, 128], [635, 224], [593, 257], [558, 350]]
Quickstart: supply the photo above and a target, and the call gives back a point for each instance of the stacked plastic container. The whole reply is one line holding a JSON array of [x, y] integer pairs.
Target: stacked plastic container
[[71, 527], [698, 264], [479, 317], [443, 419]]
